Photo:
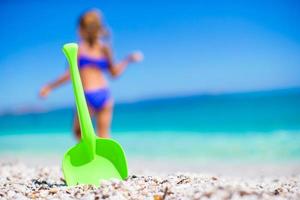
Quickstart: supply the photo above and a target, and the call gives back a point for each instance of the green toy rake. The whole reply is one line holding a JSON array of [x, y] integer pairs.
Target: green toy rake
[[93, 159]]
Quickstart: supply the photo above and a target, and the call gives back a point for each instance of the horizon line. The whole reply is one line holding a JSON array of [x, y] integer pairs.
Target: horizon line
[[31, 109]]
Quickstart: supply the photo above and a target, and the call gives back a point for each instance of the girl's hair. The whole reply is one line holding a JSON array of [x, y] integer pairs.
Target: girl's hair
[[91, 26]]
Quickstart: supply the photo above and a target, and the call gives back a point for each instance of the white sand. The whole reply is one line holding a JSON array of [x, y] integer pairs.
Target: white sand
[[23, 181]]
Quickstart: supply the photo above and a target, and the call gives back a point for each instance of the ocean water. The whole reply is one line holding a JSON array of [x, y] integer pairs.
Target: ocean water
[[256, 126]]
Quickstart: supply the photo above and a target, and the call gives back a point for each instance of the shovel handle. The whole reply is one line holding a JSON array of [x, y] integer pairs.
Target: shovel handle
[[87, 131]]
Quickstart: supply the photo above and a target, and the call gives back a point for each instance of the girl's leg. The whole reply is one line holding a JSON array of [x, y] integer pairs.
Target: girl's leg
[[76, 127], [104, 120]]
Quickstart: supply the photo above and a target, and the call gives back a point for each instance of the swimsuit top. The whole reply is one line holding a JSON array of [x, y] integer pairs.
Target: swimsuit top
[[101, 63]]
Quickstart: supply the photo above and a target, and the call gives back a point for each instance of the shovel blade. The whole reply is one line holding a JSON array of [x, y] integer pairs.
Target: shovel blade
[[109, 162]]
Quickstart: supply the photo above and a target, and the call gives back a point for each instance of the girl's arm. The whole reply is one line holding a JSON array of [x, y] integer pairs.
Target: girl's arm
[[58, 82], [118, 68]]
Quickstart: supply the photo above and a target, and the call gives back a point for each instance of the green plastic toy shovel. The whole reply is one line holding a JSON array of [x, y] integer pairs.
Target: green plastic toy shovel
[[93, 159]]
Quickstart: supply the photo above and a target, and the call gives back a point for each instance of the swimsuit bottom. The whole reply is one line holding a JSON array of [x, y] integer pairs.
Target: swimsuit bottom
[[97, 99]]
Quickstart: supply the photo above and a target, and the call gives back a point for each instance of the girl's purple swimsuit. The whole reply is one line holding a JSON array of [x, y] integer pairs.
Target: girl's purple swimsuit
[[101, 63], [96, 99]]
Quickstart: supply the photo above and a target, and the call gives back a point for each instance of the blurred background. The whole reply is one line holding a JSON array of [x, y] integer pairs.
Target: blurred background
[[220, 80]]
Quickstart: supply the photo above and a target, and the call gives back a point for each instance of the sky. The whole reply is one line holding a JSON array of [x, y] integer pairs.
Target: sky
[[190, 47]]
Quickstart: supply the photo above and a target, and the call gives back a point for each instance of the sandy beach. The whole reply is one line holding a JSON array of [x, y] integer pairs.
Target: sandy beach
[[19, 180]]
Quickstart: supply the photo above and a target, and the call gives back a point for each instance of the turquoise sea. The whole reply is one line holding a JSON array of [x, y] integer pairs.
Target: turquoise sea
[[253, 126]]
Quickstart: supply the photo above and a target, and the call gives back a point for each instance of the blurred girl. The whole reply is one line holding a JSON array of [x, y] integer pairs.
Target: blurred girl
[[94, 59]]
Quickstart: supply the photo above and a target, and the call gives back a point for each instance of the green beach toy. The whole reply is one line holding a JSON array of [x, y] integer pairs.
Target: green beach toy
[[93, 159]]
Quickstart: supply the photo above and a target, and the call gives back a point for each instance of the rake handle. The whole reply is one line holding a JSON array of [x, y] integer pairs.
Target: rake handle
[[87, 131]]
